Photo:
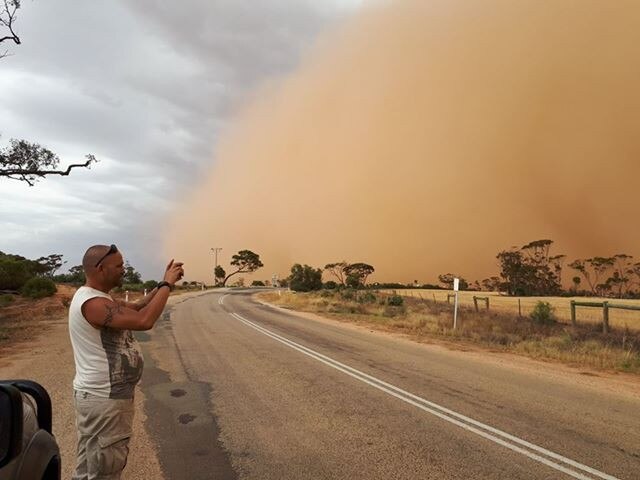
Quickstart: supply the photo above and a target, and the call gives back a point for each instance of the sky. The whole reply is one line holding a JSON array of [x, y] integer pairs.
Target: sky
[[145, 87], [421, 137], [424, 137]]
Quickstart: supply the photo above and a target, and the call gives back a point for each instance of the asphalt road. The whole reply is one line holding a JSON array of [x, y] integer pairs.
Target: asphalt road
[[236, 389]]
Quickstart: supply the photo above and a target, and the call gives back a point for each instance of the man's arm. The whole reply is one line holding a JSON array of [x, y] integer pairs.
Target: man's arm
[[104, 313], [140, 304]]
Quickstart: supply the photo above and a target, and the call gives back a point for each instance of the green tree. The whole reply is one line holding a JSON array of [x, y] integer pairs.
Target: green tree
[[338, 271], [530, 270], [305, 278], [594, 270], [576, 283], [245, 261], [76, 274], [357, 274], [491, 284], [219, 274], [15, 270], [446, 280], [131, 276], [621, 278], [51, 264], [13, 273]]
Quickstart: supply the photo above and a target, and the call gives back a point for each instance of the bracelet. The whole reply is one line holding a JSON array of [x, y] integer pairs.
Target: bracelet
[[164, 284]]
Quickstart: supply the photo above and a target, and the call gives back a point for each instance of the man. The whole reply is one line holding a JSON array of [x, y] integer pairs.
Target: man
[[108, 360]]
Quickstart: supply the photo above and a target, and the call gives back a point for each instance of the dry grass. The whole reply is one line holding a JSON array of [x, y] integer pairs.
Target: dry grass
[[498, 330], [509, 305], [21, 318]]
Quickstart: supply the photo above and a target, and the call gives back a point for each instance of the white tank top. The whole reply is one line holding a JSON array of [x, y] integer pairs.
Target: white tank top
[[108, 361]]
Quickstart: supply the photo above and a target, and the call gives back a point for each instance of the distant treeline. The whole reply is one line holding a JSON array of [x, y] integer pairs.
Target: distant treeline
[[18, 272], [530, 270]]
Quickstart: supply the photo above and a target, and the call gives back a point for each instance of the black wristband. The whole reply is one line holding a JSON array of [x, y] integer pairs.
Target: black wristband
[[164, 284]]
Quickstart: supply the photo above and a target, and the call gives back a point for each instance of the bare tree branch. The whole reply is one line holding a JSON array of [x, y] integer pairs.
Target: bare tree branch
[[26, 161], [22, 160], [7, 18], [41, 173]]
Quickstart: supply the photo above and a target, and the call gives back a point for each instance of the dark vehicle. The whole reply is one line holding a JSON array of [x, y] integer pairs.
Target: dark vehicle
[[28, 449]]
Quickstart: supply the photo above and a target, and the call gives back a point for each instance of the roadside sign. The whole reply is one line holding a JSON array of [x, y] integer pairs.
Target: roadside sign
[[456, 284]]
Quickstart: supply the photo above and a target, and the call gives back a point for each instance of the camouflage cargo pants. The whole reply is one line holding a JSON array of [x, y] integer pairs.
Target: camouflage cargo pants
[[104, 429]]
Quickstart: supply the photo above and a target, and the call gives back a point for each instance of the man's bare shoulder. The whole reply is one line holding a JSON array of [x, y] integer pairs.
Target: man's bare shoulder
[[99, 311], [104, 312]]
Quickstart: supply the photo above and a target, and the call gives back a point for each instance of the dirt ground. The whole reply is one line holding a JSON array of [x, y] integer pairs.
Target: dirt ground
[[39, 349], [619, 383]]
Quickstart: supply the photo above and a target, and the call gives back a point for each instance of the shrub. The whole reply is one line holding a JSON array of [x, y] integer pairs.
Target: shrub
[[257, 283], [13, 273], [330, 285], [543, 313], [392, 311], [38, 287], [133, 287], [5, 300], [395, 301], [305, 278], [150, 284], [347, 294], [368, 297]]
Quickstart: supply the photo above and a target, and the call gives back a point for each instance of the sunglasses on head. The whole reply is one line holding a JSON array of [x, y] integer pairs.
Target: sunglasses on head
[[112, 249]]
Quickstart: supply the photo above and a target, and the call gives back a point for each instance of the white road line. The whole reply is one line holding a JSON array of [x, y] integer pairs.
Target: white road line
[[221, 299], [444, 413]]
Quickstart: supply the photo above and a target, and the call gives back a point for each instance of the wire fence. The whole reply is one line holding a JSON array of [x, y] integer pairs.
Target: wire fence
[[621, 313]]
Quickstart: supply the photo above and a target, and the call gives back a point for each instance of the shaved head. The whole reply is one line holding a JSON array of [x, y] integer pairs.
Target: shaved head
[[92, 255], [104, 267]]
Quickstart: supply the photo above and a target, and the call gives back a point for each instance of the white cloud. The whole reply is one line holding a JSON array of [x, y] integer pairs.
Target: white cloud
[[145, 87]]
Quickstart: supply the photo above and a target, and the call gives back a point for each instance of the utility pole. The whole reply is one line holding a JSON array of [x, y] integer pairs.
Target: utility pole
[[215, 250]]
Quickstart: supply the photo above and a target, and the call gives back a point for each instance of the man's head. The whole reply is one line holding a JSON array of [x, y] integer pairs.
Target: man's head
[[104, 266]]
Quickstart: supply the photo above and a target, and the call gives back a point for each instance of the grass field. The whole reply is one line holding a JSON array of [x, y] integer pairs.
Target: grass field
[[498, 329], [504, 304]]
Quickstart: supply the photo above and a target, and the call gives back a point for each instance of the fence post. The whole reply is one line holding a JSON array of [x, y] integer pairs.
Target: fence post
[[519, 309], [487, 302], [573, 313], [475, 302], [605, 317], [455, 310]]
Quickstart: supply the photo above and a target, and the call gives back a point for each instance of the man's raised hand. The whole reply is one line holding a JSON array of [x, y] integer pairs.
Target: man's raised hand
[[174, 272]]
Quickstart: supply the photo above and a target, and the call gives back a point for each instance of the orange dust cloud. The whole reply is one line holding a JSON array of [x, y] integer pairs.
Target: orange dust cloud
[[422, 137]]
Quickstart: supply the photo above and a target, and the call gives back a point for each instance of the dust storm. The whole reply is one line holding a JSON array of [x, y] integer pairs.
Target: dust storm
[[423, 137]]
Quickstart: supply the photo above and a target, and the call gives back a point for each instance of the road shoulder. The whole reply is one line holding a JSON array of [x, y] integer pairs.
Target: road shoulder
[[624, 385]]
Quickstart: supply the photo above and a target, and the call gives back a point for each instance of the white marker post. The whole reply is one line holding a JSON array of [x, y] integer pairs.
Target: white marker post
[[126, 295], [456, 286]]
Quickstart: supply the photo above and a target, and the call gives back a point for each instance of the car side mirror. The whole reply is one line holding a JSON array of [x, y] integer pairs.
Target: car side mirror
[[10, 423]]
